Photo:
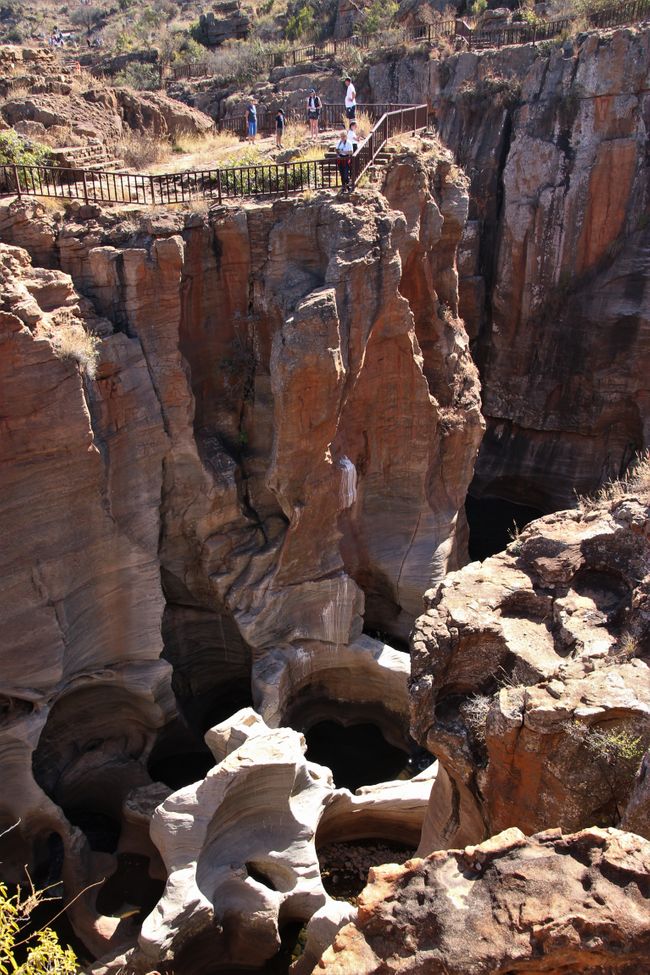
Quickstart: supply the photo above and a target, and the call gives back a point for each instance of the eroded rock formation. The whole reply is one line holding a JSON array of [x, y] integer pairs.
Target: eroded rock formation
[[552, 902], [241, 846], [553, 282], [257, 470], [531, 681]]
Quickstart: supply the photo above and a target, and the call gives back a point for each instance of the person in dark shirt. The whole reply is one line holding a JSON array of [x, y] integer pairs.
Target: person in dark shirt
[[280, 122]]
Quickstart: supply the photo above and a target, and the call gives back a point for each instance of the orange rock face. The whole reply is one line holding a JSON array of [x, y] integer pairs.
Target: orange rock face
[[553, 285], [531, 681], [549, 903], [265, 458]]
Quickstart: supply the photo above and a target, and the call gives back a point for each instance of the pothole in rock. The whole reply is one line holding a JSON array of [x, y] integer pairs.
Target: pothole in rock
[[197, 957], [179, 757], [130, 892], [357, 754], [362, 742], [493, 522], [102, 831], [344, 865]]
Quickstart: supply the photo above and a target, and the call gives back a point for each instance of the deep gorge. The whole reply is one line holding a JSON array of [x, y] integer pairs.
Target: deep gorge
[[262, 516]]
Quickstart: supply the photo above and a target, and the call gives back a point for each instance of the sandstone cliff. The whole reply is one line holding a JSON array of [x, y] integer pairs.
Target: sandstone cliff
[[272, 454], [531, 681], [554, 286]]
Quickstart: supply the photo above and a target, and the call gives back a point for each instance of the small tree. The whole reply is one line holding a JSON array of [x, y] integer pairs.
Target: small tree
[[41, 951], [87, 17]]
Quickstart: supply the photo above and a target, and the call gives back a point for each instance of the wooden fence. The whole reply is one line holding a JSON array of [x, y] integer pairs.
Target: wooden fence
[[217, 185]]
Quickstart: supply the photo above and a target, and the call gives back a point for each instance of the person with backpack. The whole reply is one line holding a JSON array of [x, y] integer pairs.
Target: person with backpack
[[280, 122], [314, 106], [251, 118]]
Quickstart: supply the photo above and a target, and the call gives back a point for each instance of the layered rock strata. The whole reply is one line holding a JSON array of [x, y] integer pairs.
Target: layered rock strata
[[531, 681], [265, 463], [552, 902], [553, 282]]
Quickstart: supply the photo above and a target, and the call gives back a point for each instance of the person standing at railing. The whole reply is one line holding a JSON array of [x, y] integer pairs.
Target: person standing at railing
[[251, 118], [344, 152], [279, 127], [350, 99], [314, 106], [352, 136]]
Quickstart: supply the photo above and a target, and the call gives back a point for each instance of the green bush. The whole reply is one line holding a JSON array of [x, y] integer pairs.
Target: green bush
[[142, 77], [42, 951], [378, 15], [17, 149], [300, 22]]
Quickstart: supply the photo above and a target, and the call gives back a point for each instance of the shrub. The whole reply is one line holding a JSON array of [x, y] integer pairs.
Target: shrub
[[139, 149], [300, 22], [478, 7], [142, 77], [491, 90], [71, 341], [17, 149], [87, 17], [378, 15], [475, 711], [44, 953], [617, 753]]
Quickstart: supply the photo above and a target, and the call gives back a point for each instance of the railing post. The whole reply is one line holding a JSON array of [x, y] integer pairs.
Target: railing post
[[152, 190], [83, 176], [219, 185], [286, 179], [20, 196]]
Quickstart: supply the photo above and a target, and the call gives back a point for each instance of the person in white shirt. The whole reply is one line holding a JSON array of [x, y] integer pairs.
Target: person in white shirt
[[350, 99], [352, 136], [344, 151]]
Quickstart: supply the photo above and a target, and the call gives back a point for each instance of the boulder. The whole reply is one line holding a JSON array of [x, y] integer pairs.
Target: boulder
[[571, 903]]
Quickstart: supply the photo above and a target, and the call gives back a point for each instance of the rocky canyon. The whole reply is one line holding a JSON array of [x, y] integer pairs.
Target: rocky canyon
[[265, 636]]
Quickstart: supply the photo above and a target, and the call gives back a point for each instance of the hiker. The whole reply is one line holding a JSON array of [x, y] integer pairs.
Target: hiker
[[251, 118], [352, 136], [344, 152], [350, 99], [314, 105], [280, 122]]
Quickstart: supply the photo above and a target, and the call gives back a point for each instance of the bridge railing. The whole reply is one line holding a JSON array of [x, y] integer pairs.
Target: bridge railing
[[226, 183]]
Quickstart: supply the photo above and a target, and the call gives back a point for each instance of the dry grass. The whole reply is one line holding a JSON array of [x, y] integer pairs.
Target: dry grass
[[364, 125], [475, 711], [294, 135], [309, 154], [72, 341], [140, 151], [636, 481]]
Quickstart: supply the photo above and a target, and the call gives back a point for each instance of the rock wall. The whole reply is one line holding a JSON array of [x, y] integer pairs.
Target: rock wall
[[263, 459], [530, 678], [549, 903], [553, 285]]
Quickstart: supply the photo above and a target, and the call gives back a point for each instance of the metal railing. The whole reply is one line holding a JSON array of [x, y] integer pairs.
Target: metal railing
[[228, 183], [332, 116], [318, 52], [627, 12]]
